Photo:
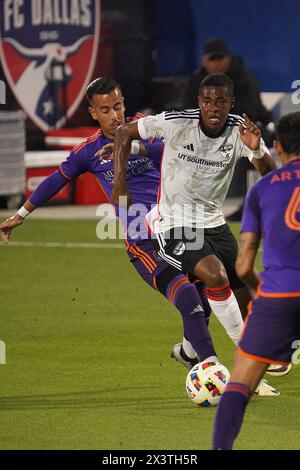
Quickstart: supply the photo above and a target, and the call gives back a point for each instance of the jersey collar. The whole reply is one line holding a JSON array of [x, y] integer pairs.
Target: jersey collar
[[294, 160], [205, 132]]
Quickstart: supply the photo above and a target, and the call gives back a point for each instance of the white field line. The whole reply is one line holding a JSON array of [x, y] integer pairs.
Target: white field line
[[67, 245], [73, 245]]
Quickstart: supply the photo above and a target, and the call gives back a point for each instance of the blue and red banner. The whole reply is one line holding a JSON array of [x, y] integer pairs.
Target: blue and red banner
[[48, 51]]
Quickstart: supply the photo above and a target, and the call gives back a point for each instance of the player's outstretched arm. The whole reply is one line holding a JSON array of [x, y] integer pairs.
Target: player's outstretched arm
[[249, 243], [251, 137], [122, 144], [42, 194], [9, 224]]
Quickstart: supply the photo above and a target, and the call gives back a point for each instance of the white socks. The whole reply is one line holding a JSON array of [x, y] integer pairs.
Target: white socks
[[190, 352], [229, 315], [188, 349], [227, 312]]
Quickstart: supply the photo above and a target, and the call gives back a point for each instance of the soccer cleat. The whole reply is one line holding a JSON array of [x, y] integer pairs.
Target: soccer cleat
[[266, 390], [180, 356], [277, 370]]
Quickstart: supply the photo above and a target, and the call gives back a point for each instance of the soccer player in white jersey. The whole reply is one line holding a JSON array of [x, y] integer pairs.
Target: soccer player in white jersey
[[202, 147]]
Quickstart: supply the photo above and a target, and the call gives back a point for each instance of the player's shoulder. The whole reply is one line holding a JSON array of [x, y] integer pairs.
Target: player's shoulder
[[234, 120], [186, 115], [134, 118], [89, 145]]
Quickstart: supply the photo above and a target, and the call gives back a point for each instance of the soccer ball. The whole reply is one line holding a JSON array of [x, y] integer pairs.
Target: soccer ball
[[206, 382]]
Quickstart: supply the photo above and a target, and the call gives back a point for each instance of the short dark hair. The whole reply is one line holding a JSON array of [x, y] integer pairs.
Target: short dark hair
[[215, 80], [101, 86], [216, 48], [288, 132]]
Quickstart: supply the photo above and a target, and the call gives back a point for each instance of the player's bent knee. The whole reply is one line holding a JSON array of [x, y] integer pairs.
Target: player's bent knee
[[217, 279], [211, 271]]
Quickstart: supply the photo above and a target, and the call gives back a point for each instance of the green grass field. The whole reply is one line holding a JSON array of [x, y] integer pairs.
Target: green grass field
[[88, 363]]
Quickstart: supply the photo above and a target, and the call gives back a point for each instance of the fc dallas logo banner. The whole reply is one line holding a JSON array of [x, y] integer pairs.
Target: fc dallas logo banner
[[48, 51]]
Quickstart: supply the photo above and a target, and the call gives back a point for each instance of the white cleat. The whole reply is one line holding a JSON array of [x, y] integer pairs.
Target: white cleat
[[176, 353], [266, 390], [277, 370]]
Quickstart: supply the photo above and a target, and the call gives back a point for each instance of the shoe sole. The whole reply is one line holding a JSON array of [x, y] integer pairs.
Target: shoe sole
[[184, 364], [284, 370], [181, 361], [277, 394]]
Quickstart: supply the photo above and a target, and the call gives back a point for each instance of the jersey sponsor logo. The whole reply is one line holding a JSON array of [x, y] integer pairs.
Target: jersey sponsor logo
[[179, 249], [135, 167], [202, 161], [189, 147], [226, 150], [48, 51]]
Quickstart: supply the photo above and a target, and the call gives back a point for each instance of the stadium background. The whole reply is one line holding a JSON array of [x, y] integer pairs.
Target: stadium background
[[87, 359], [142, 42]]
